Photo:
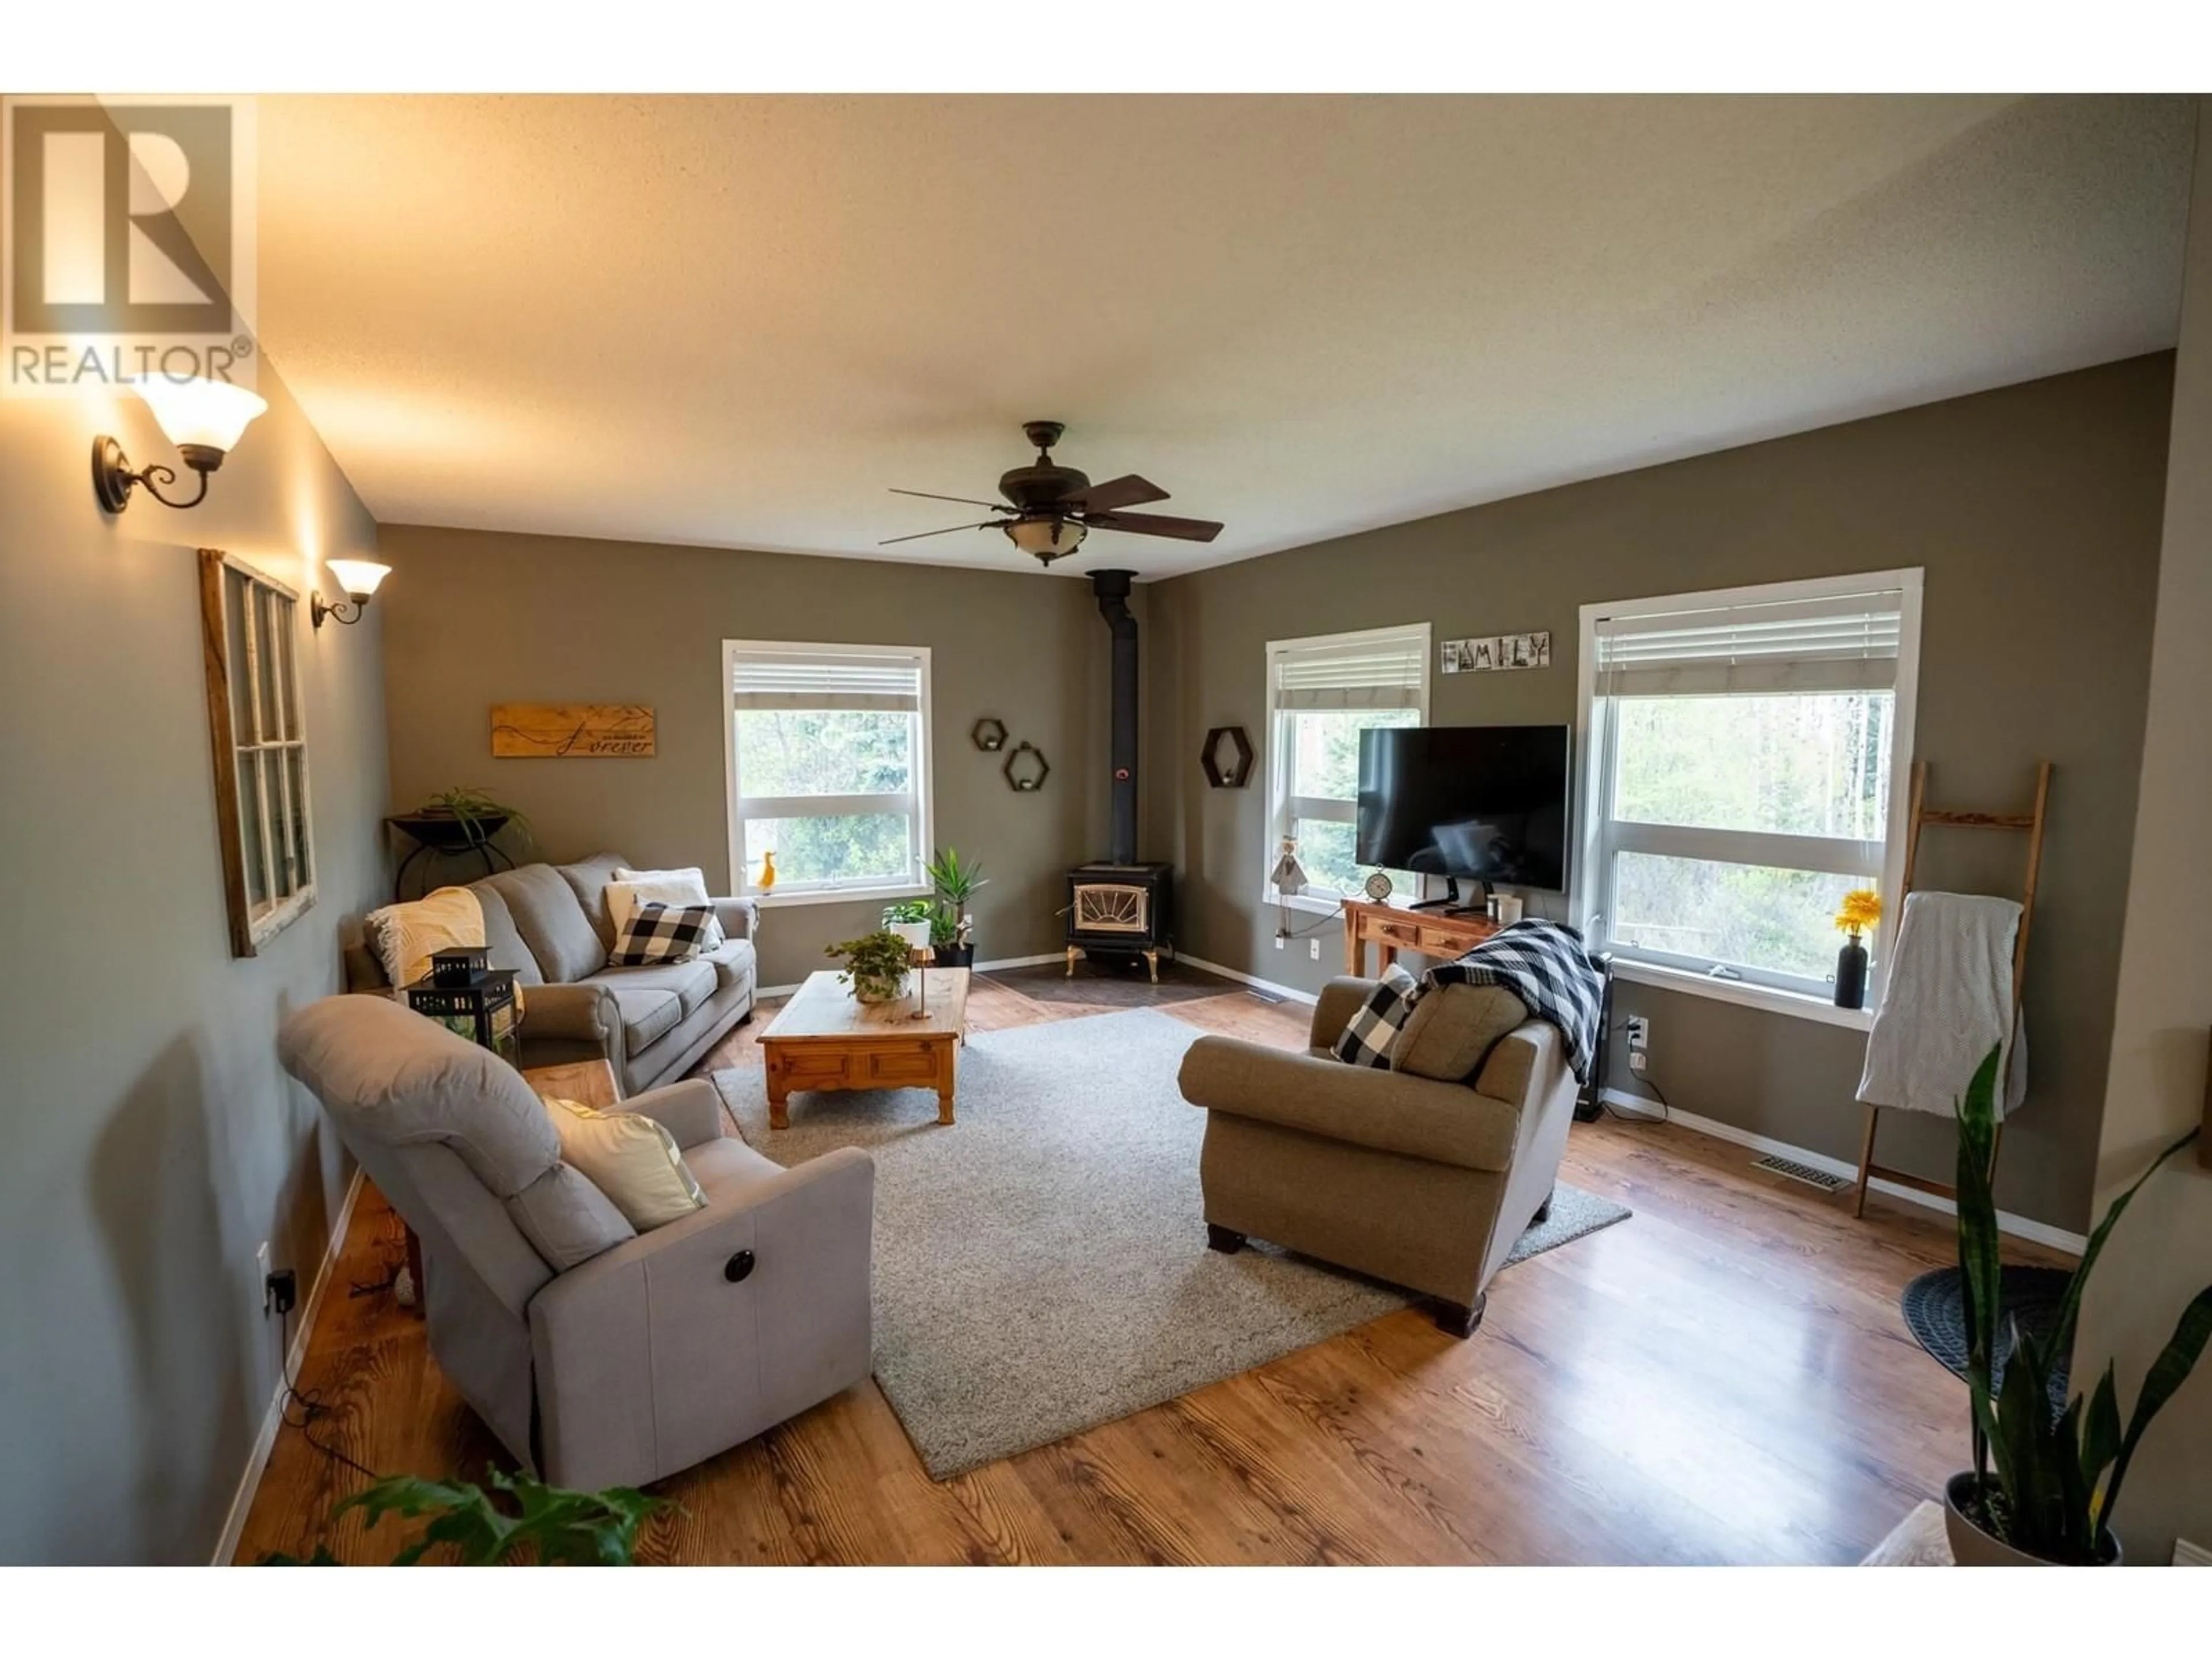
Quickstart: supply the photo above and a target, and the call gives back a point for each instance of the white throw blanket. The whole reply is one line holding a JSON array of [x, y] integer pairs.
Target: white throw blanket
[[1949, 1000]]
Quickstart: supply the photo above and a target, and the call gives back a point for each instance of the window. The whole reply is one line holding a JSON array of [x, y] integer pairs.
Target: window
[[829, 767], [1746, 753], [1322, 692], [249, 623]]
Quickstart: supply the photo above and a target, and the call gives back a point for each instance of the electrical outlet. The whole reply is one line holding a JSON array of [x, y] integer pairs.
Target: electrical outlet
[[1639, 1035], [1313, 949], [1278, 941], [1637, 1060], [261, 1272]]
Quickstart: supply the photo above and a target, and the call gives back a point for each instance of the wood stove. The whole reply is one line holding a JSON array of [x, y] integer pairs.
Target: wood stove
[[1119, 907]]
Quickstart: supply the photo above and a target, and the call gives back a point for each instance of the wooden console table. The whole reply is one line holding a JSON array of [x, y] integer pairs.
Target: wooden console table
[[1445, 933]]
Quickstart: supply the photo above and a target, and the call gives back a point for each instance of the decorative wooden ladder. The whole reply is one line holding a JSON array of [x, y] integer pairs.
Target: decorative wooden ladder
[[1923, 816]]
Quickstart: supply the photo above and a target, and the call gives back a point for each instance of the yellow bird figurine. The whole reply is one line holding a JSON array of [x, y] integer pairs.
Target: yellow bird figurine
[[767, 882]]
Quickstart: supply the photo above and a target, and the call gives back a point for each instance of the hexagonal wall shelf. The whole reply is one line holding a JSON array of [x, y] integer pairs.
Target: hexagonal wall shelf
[[1227, 757], [989, 735], [1026, 776]]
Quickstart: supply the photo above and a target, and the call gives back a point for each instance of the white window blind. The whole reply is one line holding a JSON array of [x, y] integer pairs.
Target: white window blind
[[1375, 672], [1847, 642], [888, 681]]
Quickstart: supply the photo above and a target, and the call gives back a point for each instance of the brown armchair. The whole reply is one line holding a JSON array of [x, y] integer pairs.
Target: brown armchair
[[1412, 1178]]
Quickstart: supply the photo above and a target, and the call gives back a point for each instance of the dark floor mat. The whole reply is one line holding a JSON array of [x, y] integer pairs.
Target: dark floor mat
[[1105, 984], [1934, 1312]]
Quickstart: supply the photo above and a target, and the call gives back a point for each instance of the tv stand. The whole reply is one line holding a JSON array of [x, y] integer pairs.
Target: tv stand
[[1393, 928], [1449, 901]]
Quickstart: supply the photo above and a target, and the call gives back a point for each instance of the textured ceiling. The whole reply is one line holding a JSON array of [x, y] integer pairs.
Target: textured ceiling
[[736, 321]]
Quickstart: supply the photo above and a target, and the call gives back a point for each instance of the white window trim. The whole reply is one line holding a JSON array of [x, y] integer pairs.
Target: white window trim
[[1591, 867], [1282, 805], [920, 803]]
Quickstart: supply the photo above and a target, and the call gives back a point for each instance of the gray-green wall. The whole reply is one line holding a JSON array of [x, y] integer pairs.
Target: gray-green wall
[[2160, 1256], [152, 1141], [473, 618], [2034, 510]]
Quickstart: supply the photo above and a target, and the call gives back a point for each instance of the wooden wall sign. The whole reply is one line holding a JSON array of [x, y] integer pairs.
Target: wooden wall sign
[[566, 730]]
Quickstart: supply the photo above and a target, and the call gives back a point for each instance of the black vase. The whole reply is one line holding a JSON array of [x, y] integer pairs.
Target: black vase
[[1850, 973]]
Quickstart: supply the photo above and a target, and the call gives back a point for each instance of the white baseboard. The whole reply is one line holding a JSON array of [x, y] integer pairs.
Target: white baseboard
[[1290, 993], [2019, 1226], [768, 991], [264, 1442]]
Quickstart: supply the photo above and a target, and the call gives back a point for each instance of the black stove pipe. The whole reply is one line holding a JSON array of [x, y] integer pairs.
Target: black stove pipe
[[1112, 587]]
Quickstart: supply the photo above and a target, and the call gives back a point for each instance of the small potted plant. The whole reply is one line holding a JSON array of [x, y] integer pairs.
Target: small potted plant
[[1858, 913], [951, 928], [2043, 1485], [912, 920], [875, 965]]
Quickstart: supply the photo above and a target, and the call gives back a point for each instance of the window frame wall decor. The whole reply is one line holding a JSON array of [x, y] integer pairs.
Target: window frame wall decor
[[788, 674], [257, 725], [1825, 636], [1369, 668]]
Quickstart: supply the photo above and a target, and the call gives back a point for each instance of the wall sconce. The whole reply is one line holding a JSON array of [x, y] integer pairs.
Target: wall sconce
[[203, 418], [359, 577]]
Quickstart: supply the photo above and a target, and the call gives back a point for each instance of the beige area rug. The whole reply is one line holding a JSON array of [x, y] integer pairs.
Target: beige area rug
[[1040, 1265]]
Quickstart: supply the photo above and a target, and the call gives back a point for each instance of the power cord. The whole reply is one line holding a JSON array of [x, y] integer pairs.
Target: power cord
[[309, 1406]]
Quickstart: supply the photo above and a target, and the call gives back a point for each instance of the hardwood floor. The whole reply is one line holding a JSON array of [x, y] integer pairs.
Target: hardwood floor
[[1723, 1378]]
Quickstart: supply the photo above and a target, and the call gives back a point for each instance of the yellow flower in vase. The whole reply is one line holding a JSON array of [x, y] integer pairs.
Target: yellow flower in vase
[[1861, 910]]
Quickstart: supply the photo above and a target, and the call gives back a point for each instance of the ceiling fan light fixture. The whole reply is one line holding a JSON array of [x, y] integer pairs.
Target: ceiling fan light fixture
[[1046, 539]]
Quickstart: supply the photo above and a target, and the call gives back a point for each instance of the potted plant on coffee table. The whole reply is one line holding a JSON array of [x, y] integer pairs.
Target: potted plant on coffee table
[[2043, 1487], [875, 965], [951, 928]]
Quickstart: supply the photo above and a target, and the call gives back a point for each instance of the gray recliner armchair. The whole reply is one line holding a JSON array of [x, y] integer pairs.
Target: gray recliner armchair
[[599, 1356]]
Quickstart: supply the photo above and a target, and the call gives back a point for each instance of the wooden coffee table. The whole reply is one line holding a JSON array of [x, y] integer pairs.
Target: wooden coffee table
[[824, 1038]]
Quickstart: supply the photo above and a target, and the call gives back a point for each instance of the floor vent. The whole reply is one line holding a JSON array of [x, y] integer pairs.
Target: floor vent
[[1804, 1172]]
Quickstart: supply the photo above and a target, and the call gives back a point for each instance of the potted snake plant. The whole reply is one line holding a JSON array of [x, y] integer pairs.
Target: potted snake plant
[[2043, 1486]]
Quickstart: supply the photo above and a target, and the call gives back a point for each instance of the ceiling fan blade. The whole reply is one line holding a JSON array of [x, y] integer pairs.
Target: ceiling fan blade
[[923, 535], [1155, 524], [1128, 491], [970, 501]]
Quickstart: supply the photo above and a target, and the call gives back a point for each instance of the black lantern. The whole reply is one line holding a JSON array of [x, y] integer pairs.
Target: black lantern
[[480, 1007]]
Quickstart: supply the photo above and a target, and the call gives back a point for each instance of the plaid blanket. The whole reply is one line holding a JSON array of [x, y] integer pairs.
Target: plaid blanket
[[1545, 965]]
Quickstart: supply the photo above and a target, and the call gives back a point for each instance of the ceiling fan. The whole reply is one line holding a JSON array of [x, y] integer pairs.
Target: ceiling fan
[[1051, 508]]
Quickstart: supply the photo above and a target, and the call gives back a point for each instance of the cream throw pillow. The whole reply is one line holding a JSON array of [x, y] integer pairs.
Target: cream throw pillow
[[404, 936], [678, 888], [631, 1158]]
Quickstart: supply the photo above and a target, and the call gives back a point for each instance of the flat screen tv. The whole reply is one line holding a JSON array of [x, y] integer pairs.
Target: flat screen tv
[[1485, 803]]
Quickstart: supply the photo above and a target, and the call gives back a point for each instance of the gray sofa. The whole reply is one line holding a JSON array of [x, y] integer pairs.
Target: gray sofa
[[550, 923], [599, 1356], [1425, 1174]]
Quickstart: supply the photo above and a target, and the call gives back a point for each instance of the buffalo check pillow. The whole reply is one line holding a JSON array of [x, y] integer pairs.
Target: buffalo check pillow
[[654, 933], [1368, 1034]]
